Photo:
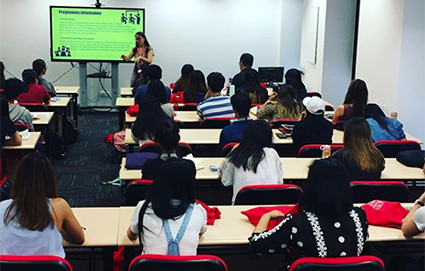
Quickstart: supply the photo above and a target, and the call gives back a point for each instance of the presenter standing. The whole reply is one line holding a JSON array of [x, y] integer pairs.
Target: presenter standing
[[143, 56]]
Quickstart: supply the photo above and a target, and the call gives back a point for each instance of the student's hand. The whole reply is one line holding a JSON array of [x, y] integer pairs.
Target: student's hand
[[422, 197], [138, 59], [275, 214], [123, 57], [273, 96]]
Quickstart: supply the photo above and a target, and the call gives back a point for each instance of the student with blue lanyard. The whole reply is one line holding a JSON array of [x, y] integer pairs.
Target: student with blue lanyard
[[169, 222]]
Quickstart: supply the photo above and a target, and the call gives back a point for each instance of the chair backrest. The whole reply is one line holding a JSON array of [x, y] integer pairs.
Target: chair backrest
[[277, 123], [390, 148], [365, 191], [313, 150], [135, 191], [360, 263], [182, 150], [268, 194], [34, 106], [215, 122], [313, 93], [339, 125], [33, 263], [20, 126], [329, 107], [177, 263], [189, 107], [227, 148]]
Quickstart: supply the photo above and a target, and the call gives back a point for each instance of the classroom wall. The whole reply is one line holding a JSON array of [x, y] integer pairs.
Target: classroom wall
[[209, 34], [391, 58], [291, 27]]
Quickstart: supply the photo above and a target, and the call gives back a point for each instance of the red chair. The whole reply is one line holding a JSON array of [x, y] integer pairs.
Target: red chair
[[33, 263], [329, 107], [288, 124], [365, 191], [360, 263], [339, 125], [268, 194], [314, 93], [136, 191], [313, 150], [149, 262], [390, 148], [228, 148], [183, 149], [215, 122]]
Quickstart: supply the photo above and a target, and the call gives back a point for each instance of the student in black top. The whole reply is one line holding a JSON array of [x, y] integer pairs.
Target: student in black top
[[196, 89], [9, 133], [2, 78], [327, 224], [183, 82], [314, 128], [293, 78], [245, 63], [251, 86], [362, 159], [167, 137]]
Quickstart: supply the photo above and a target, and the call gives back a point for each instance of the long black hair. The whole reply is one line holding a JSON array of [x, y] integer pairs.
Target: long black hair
[[256, 136], [327, 190], [252, 87], [146, 43], [357, 95], [375, 112], [293, 78], [287, 97], [171, 193], [196, 86], [149, 115], [167, 135], [2, 78], [157, 89]]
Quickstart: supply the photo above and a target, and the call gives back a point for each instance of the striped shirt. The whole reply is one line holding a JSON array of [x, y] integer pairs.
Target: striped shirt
[[216, 107]]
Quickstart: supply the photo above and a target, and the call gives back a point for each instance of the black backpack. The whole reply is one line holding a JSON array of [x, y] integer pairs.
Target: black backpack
[[412, 158]]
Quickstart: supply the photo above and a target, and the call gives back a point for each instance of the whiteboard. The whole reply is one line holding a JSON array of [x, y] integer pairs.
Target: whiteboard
[[311, 29]]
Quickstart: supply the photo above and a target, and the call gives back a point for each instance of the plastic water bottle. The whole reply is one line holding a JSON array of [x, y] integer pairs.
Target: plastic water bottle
[[326, 151]]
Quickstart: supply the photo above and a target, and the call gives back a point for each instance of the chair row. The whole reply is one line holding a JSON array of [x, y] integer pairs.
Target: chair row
[[362, 191], [192, 263]]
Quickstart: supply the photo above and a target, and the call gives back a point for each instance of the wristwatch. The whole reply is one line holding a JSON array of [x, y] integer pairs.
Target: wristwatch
[[419, 203]]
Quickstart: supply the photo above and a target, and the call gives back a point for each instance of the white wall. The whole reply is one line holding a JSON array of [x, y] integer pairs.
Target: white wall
[[411, 85], [290, 43], [209, 34], [391, 58]]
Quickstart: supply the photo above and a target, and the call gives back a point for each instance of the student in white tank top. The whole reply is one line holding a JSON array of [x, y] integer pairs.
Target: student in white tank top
[[35, 220]]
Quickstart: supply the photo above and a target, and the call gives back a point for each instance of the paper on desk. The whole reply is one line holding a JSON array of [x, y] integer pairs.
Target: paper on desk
[[196, 161], [25, 134], [254, 110]]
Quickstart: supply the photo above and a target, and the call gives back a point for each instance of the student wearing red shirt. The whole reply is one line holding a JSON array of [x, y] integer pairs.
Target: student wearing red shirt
[[36, 93]]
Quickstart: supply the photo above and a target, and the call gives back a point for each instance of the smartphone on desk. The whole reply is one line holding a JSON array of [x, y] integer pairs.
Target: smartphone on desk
[[281, 135]]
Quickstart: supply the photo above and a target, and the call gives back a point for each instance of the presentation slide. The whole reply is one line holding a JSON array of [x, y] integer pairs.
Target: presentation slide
[[93, 34]]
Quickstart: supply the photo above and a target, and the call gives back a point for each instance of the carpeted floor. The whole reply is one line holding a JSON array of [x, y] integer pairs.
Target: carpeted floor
[[88, 163]]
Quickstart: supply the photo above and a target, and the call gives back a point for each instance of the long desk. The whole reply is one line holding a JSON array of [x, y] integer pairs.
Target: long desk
[[72, 92], [233, 228], [293, 169], [126, 92], [28, 144]]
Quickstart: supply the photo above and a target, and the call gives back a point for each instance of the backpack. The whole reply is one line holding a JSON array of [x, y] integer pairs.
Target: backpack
[[412, 158], [177, 98]]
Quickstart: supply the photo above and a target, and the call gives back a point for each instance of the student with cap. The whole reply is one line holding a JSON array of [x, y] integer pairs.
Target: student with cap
[[314, 128], [13, 87]]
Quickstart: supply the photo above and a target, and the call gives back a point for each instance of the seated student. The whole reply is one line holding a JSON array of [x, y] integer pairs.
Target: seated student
[[364, 162], [153, 72], [327, 224], [36, 93], [314, 128], [167, 136], [293, 78], [355, 100], [251, 86], [254, 161], [2, 77], [241, 104], [157, 89], [245, 63], [170, 212], [13, 87], [40, 67], [9, 133], [281, 105], [196, 89], [149, 115], [183, 82], [414, 222], [381, 127], [35, 220], [215, 105]]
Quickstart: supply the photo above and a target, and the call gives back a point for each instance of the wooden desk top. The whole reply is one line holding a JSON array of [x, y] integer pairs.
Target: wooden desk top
[[67, 90], [126, 91], [233, 228], [41, 118], [61, 102], [28, 144], [101, 226], [124, 101], [212, 137], [293, 169]]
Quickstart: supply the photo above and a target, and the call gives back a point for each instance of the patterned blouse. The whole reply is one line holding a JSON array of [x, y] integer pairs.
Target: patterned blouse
[[275, 110], [307, 235]]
